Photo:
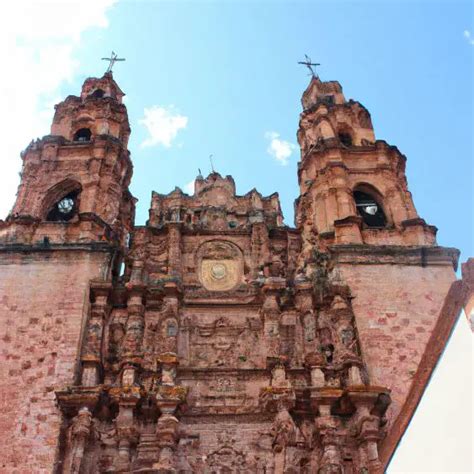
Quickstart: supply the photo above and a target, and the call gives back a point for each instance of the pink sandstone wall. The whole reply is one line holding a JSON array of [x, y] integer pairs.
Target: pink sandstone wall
[[396, 309], [43, 300]]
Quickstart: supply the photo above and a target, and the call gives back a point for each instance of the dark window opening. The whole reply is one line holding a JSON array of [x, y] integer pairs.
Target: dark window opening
[[369, 210], [98, 94], [65, 209], [345, 139], [82, 135], [327, 99], [232, 224]]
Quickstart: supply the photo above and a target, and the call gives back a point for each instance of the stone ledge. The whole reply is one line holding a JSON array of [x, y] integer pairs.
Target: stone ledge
[[69, 247], [360, 254]]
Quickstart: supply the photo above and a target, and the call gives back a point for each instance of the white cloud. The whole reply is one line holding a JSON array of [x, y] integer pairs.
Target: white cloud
[[280, 149], [38, 45], [469, 37], [189, 187], [163, 124]]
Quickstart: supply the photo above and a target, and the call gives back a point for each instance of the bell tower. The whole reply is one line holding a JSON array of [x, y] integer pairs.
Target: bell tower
[[68, 227], [353, 188], [355, 211], [75, 181]]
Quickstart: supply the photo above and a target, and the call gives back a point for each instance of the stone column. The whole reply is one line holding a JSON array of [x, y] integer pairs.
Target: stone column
[[92, 351], [125, 425], [327, 427], [315, 363], [331, 208], [331, 461], [320, 216], [78, 436], [137, 272], [271, 312], [367, 425], [279, 398], [369, 435], [304, 304], [167, 436], [133, 339], [284, 430], [174, 249], [259, 247]]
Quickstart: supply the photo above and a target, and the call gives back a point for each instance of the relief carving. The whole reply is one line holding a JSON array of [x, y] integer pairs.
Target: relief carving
[[222, 343], [220, 265], [227, 459]]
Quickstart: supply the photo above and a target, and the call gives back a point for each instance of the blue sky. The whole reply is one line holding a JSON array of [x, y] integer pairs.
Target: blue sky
[[222, 78]]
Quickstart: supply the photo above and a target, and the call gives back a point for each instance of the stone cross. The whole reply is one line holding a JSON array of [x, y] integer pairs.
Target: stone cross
[[112, 60], [309, 65]]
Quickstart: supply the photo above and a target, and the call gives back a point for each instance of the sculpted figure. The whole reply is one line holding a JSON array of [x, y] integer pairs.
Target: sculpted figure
[[168, 374], [308, 431], [309, 327], [277, 268], [331, 461], [325, 336], [284, 431], [116, 334]]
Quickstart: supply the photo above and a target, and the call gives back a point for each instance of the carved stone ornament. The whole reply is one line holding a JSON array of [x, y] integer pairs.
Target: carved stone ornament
[[220, 265]]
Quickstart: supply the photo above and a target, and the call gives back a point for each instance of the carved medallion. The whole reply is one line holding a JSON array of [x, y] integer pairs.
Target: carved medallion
[[218, 271], [220, 265]]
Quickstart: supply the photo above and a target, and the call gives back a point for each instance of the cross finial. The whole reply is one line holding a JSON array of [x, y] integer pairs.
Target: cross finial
[[309, 65], [212, 163], [112, 60]]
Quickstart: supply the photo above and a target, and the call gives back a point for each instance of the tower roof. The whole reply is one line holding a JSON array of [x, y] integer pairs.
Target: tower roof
[[322, 91], [106, 84]]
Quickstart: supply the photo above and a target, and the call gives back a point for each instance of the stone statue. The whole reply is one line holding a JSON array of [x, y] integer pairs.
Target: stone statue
[[284, 431]]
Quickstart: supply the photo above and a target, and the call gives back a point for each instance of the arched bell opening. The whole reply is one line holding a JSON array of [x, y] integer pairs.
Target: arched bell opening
[[345, 138], [345, 134], [64, 209], [83, 135], [61, 203], [369, 207], [97, 94]]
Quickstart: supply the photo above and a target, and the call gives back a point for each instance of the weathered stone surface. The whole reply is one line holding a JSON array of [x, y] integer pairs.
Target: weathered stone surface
[[230, 342]]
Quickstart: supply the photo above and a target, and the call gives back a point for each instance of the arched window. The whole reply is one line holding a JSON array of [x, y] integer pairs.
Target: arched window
[[369, 209], [65, 208], [82, 135], [345, 138], [98, 94]]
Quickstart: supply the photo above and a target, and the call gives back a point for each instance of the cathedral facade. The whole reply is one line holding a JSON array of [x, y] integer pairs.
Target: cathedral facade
[[215, 339]]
